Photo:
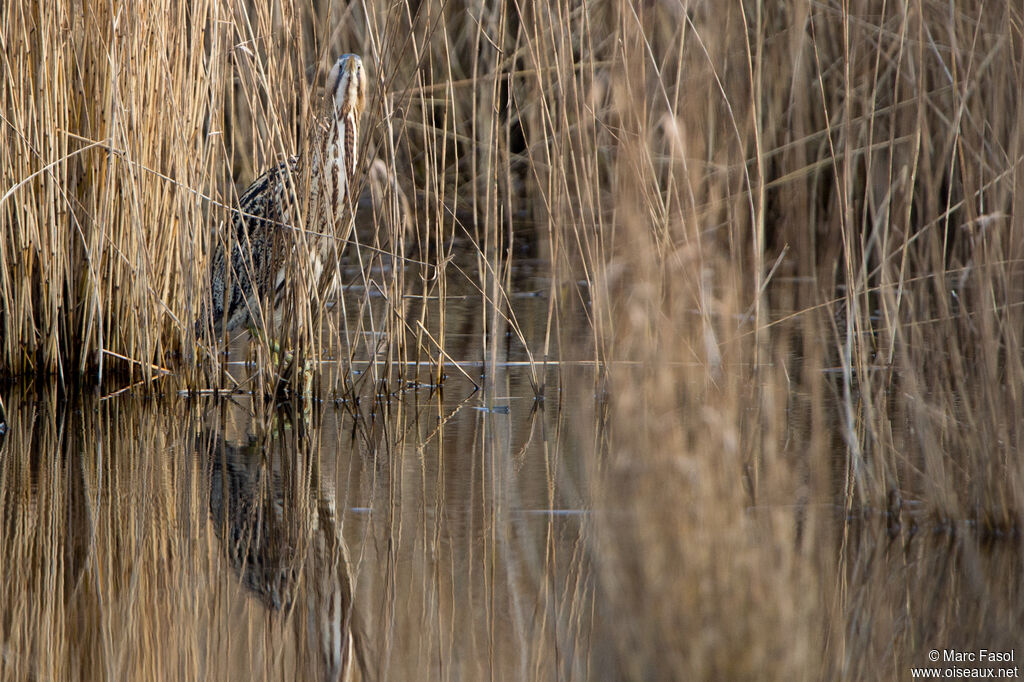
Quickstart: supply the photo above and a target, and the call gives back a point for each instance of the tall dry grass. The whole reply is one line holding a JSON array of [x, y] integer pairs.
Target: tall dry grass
[[787, 231], [813, 256], [129, 133]]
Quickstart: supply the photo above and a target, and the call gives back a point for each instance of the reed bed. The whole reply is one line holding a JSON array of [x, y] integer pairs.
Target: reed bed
[[815, 259], [786, 233]]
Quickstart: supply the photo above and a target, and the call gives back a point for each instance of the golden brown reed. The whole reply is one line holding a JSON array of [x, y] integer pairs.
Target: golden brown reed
[[813, 256], [789, 230]]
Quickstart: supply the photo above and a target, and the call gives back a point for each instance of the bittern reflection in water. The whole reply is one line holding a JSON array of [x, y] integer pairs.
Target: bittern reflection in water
[[265, 231], [277, 520]]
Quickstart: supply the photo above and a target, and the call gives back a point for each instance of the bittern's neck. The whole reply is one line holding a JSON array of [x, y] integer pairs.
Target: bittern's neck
[[337, 157]]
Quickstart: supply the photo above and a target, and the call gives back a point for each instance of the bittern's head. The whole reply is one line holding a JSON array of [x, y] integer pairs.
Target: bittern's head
[[346, 84]]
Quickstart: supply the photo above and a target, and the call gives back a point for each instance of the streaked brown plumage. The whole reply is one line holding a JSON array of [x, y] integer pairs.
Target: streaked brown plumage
[[249, 285]]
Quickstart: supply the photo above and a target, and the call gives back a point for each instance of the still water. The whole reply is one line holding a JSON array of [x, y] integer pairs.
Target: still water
[[208, 539], [453, 532], [428, 532]]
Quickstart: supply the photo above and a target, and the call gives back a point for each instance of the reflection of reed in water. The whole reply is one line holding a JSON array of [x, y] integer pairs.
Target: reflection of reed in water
[[280, 532], [50, 618]]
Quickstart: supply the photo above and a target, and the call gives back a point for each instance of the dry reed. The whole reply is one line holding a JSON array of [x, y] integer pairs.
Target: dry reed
[[786, 232]]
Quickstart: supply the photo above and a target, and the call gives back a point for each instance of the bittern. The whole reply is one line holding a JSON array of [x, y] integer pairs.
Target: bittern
[[264, 232]]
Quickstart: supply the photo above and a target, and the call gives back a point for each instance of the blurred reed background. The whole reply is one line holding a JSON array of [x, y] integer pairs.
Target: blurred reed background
[[786, 233]]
